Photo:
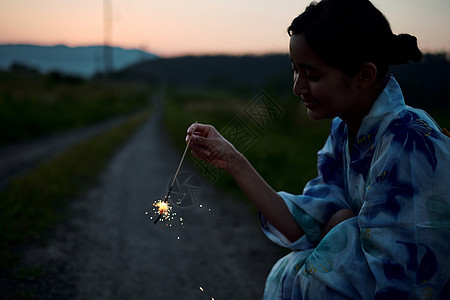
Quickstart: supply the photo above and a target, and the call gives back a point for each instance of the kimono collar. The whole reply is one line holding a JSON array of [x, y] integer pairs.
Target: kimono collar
[[390, 101]]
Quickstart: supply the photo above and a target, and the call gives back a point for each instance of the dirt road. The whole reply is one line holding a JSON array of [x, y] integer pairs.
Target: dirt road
[[110, 249], [19, 158]]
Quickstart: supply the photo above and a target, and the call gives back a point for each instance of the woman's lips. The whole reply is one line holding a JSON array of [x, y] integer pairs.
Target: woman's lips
[[310, 104]]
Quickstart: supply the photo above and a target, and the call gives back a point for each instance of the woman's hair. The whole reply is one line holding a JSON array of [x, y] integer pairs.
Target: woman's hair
[[349, 33]]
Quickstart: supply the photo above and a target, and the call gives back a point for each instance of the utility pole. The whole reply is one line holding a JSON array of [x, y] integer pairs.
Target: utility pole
[[108, 59]]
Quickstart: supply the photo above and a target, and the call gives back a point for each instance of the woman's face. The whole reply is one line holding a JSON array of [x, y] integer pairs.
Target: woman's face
[[326, 91]]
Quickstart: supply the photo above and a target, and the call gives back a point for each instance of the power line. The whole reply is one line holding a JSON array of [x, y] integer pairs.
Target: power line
[[108, 59]]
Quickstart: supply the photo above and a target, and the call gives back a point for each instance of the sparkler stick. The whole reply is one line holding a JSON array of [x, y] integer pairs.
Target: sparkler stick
[[166, 198]]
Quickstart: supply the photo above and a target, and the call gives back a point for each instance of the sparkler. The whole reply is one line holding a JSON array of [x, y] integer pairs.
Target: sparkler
[[163, 206]]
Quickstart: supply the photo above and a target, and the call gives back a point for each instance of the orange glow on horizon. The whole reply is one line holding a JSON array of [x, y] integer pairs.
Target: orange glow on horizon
[[195, 27]]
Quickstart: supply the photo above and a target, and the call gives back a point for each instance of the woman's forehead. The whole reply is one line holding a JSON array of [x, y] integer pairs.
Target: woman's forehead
[[302, 55]]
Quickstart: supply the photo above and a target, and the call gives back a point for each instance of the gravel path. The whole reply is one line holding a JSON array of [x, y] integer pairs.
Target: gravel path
[[18, 159], [110, 249]]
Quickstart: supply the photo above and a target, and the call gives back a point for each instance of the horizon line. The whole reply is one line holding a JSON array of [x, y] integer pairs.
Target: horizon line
[[179, 54], [182, 53]]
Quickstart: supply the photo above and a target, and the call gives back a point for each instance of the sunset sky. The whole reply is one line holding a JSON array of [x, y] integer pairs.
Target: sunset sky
[[177, 27]]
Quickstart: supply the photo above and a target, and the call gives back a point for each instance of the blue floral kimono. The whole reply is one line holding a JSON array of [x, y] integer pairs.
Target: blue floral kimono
[[396, 180]]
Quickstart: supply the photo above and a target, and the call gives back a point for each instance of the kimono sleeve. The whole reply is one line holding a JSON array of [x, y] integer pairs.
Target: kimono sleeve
[[405, 219], [321, 197]]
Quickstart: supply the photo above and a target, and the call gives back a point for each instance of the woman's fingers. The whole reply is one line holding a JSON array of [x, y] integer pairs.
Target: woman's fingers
[[206, 143], [198, 128]]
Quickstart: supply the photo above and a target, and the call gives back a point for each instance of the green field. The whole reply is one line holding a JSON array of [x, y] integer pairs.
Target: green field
[[34, 105]]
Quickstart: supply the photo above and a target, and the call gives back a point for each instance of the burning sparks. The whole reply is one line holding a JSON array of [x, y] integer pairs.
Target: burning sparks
[[163, 211], [163, 208]]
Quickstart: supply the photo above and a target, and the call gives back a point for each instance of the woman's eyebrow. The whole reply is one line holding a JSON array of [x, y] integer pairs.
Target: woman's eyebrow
[[304, 66]]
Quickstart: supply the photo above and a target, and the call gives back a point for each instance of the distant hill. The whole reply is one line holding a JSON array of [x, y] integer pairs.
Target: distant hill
[[252, 71], [425, 84], [79, 61]]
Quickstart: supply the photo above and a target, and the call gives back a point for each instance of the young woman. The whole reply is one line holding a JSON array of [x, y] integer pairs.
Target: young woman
[[375, 222]]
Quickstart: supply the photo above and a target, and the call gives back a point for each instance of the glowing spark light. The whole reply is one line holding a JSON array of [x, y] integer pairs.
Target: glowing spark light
[[163, 208], [164, 211]]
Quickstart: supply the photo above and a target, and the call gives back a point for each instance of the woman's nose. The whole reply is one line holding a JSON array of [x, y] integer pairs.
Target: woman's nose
[[300, 87]]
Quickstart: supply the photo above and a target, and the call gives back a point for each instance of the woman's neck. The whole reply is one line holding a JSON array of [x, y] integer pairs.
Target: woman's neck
[[355, 118]]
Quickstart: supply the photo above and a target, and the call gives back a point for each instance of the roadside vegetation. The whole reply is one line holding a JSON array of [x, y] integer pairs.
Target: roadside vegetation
[[33, 105]]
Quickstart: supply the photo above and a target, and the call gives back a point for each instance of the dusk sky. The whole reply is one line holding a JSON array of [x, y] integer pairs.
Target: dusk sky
[[177, 27]]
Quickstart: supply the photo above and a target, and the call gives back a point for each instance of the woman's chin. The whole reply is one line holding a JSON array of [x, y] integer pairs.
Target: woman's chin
[[315, 115], [318, 114]]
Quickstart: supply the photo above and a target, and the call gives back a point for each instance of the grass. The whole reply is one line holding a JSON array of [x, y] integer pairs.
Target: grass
[[441, 117], [35, 105], [35, 202]]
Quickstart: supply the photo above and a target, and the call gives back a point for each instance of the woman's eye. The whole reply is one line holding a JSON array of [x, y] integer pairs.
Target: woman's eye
[[313, 78]]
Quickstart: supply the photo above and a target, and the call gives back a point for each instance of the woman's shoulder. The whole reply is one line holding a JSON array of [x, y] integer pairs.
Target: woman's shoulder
[[413, 123], [414, 130]]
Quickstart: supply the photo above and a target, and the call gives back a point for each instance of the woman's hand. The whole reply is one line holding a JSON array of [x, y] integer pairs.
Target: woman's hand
[[336, 218], [208, 144]]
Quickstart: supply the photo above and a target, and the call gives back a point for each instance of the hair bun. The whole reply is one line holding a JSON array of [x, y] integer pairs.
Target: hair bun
[[403, 49]]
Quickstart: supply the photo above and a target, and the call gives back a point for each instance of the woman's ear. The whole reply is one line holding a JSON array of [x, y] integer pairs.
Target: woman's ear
[[367, 75]]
